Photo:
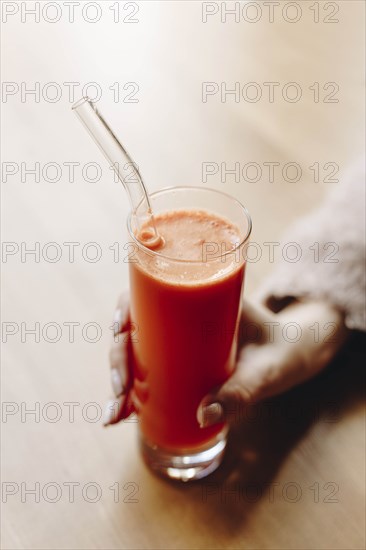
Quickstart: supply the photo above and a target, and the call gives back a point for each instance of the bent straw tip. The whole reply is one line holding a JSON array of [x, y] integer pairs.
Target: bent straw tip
[[151, 239]]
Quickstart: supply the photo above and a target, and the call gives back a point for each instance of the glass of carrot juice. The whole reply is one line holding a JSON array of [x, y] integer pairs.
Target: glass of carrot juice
[[185, 307]]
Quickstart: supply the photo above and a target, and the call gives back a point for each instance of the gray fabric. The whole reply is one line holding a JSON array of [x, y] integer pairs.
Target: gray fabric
[[338, 225]]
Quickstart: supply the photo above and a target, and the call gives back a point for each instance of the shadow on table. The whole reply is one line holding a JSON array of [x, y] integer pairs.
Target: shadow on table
[[258, 447]]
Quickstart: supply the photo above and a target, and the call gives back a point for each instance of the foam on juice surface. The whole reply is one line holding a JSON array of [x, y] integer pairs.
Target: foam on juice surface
[[192, 236]]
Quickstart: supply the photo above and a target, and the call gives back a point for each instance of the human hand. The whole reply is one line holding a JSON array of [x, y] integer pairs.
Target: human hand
[[121, 363], [270, 358], [276, 352]]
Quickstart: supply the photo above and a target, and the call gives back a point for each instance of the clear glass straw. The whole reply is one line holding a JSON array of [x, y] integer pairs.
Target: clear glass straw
[[123, 165]]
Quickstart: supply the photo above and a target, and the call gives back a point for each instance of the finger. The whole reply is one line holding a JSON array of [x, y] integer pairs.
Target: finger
[[118, 356], [121, 365], [256, 312], [122, 381], [121, 373], [255, 323], [118, 409], [121, 319], [258, 375], [262, 372], [228, 401]]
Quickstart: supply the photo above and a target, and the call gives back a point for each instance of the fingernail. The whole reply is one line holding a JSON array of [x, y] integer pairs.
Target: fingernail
[[118, 383], [117, 321], [110, 412], [210, 414]]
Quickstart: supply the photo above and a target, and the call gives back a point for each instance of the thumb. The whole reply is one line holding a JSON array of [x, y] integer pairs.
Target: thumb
[[254, 361], [245, 387]]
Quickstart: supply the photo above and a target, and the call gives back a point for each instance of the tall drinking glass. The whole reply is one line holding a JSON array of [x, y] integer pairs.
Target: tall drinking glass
[[185, 316]]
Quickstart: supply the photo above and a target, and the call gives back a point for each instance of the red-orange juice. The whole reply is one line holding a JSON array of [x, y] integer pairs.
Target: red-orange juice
[[184, 305]]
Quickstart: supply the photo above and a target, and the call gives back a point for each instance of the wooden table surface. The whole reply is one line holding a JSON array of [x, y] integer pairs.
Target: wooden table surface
[[294, 473]]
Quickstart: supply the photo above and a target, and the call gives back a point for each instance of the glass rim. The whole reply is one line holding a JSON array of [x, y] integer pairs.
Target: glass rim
[[164, 190]]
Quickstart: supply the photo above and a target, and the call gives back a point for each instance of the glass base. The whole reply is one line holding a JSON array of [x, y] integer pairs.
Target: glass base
[[186, 465]]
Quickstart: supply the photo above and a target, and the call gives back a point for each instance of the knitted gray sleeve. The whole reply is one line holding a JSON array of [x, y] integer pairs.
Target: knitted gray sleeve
[[328, 259]]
